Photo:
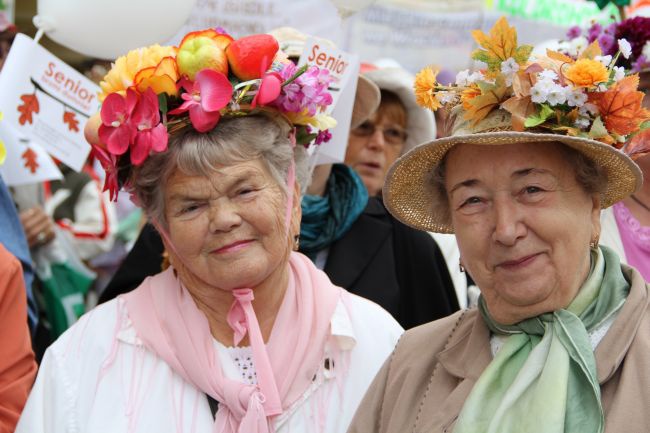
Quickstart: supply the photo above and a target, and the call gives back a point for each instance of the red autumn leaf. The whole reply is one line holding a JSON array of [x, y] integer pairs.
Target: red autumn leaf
[[71, 119], [620, 106], [639, 145], [27, 108], [30, 160]]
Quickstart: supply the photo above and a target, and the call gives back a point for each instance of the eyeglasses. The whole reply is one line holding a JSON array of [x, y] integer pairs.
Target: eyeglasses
[[392, 134]]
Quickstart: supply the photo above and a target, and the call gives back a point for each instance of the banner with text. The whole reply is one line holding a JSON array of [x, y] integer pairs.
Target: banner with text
[[47, 101]]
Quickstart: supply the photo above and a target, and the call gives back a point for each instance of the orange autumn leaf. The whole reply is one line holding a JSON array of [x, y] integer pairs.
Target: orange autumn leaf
[[498, 46], [520, 108], [70, 119], [591, 51], [639, 145], [30, 160], [521, 84], [27, 108], [558, 56], [490, 98], [620, 106]]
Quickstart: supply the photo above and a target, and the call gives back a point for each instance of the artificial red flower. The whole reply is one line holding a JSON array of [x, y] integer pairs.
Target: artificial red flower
[[116, 130], [108, 162], [204, 97], [150, 133], [269, 89]]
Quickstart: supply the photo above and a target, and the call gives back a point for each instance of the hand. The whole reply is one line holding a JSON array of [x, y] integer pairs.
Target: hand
[[38, 226]]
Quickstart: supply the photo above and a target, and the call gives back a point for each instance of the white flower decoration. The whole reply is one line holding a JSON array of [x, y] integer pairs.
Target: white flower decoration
[[625, 48], [461, 78], [588, 109], [538, 94], [576, 98], [474, 77], [605, 60], [582, 122], [557, 95], [509, 66], [577, 45], [547, 74], [619, 73]]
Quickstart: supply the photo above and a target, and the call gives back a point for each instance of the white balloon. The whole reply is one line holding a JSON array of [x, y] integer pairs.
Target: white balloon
[[109, 28], [350, 7]]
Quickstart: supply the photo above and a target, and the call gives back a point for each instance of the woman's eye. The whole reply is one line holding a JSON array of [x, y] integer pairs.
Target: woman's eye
[[532, 189], [470, 201], [245, 191], [190, 208]]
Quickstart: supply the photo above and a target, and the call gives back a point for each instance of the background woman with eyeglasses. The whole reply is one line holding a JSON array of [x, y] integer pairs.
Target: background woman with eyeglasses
[[346, 229]]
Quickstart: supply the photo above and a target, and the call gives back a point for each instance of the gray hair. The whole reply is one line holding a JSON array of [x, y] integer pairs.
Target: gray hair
[[236, 139], [588, 174]]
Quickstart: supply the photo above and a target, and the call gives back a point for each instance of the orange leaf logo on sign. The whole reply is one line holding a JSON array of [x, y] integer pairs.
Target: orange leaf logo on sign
[[30, 158], [70, 118], [27, 108]]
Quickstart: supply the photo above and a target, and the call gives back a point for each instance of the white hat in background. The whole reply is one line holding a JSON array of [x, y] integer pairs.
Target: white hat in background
[[420, 125]]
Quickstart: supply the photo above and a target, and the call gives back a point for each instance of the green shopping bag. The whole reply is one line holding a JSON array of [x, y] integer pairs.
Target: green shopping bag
[[65, 281]]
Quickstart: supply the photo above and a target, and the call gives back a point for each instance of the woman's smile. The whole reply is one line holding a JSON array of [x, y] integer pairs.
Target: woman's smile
[[233, 247]]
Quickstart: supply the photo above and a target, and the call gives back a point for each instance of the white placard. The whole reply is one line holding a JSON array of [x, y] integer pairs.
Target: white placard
[[26, 162], [47, 101], [344, 67]]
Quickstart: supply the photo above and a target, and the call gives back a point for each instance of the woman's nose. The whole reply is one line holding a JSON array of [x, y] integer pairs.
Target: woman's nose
[[223, 217], [376, 139], [508, 223]]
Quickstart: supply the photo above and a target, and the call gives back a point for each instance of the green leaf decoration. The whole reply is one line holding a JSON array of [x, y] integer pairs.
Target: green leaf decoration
[[537, 119], [598, 129], [162, 103]]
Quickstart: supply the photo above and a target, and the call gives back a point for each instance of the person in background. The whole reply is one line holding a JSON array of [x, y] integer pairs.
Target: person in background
[[240, 333], [17, 364], [348, 233], [391, 131]]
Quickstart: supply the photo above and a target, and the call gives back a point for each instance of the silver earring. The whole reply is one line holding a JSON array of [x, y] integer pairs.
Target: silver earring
[[460, 266], [296, 242]]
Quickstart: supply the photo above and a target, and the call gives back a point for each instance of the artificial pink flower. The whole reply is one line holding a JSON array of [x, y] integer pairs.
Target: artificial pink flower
[[150, 133], [116, 130], [210, 92], [108, 162], [269, 89]]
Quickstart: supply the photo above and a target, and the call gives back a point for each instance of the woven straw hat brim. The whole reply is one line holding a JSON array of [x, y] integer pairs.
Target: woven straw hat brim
[[408, 192]]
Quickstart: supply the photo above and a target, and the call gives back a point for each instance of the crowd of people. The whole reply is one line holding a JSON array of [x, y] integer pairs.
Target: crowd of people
[[201, 274]]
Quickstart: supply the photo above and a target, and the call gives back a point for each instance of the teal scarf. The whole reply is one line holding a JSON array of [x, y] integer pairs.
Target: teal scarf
[[544, 379], [326, 219]]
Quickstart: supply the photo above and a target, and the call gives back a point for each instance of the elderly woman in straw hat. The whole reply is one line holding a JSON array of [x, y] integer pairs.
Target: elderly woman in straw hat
[[240, 334], [560, 341]]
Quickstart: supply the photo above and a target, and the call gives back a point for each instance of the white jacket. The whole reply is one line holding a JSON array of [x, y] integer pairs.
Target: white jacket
[[98, 377]]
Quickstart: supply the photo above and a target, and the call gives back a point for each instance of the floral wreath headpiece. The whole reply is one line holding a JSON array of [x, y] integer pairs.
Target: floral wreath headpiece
[[582, 95], [153, 91]]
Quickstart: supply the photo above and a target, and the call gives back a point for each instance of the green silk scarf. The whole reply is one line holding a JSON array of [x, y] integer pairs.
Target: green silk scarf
[[544, 379]]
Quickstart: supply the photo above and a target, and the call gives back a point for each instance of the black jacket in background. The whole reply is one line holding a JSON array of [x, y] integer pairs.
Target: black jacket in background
[[381, 259]]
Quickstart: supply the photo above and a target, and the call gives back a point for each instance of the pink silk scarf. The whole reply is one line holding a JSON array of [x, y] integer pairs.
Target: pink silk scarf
[[170, 324]]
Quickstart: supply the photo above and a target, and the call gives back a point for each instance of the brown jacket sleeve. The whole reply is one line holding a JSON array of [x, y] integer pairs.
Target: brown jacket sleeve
[[17, 365]]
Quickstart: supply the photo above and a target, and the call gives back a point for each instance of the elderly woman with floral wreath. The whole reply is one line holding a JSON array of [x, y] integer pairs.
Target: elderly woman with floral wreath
[[240, 333], [560, 341]]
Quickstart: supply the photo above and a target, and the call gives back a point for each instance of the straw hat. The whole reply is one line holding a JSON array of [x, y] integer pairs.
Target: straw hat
[[367, 96], [409, 194], [420, 125]]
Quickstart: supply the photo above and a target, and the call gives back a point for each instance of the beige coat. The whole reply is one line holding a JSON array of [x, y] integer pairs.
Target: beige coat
[[423, 385]]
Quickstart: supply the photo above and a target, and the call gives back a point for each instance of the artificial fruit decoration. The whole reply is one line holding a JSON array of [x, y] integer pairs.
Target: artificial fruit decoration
[[245, 55]]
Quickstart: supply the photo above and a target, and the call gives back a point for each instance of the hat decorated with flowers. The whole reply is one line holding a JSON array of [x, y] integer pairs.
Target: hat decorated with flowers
[[156, 91], [578, 101]]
